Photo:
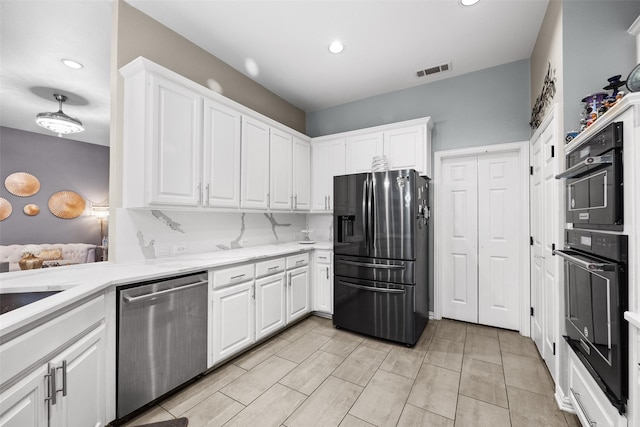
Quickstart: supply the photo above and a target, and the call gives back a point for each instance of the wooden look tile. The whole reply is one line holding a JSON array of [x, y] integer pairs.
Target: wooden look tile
[[527, 373], [299, 329], [249, 386], [303, 347], [214, 411], [416, 417], [427, 336], [532, 409], [307, 376], [351, 421], [513, 342], [186, 399], [381, 401], [483, 381], [435, 390], [270, 409], [360, 366], [326, 406], [481, 347], [451, 330], [377, 344], [259, 354], [474, 413], [445, 354], [486, 331], [342, 344], [403, 361]]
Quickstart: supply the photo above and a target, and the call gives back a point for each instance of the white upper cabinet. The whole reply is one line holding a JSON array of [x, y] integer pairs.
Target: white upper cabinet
[[301, 175], [407, 145], [361, 149], [406, 148], [186, 146], [255, 164], [281, 171], [176, 132], [221, 156], [327, 161]]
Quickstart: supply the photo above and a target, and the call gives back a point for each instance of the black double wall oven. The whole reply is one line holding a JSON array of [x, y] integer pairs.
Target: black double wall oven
[[595, 261]]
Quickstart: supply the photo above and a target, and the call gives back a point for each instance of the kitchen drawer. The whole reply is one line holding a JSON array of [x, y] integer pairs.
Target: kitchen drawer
[[53, 336], [272, 266], [233, 275], [590, 403], [299, 260], [323, 257]]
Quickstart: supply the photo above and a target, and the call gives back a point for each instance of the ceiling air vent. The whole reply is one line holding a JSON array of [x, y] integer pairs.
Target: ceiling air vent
[[433, 70]]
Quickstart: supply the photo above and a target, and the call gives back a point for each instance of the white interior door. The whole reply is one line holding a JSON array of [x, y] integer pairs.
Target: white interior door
[[459, 250], [498, 248], [537, 259]]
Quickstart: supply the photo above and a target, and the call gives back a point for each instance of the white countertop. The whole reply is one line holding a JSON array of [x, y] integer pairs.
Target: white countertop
[[82, 280]]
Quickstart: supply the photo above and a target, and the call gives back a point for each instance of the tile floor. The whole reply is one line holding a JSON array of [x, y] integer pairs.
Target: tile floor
[[313, 374]]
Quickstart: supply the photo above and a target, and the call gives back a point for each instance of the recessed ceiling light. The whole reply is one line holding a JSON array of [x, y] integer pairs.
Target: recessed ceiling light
[[336, 46], [468, 2], [72, 64]]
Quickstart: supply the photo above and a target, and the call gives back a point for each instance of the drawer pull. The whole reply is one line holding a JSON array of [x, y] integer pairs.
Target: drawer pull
[[300, 261], [238, 276], [576, 395], [275, 267]]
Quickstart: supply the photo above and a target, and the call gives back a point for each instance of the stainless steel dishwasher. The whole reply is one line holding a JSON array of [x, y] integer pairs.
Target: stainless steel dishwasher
[[162, 338]]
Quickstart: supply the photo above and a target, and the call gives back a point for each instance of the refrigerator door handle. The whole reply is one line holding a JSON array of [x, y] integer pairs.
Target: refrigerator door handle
[[365, 218], [372, 265], [372, 289], [372, 219]]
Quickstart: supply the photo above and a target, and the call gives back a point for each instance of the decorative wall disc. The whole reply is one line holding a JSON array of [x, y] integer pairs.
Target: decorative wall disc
[[22, 184], [66, 204], [31, 209], [5, 209]]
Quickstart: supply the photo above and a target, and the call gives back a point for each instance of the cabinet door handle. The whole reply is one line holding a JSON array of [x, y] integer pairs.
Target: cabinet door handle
[[64, 378], [328, 202], [199, 189], [51, 389], [295, 202], [325, 203], [327, 273], [289, 279], [206, 200]]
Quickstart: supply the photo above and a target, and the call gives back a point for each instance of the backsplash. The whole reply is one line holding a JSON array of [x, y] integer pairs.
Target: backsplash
[[148, 234]]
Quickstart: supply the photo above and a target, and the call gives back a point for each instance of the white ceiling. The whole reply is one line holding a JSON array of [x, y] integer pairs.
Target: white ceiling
[[386, 43]]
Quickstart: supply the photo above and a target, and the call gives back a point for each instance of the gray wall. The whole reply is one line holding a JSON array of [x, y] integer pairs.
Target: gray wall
[[596, 46], [485, 107], [60, 164]]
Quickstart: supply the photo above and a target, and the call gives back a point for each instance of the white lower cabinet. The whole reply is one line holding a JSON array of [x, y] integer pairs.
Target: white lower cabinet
[[591, 404], [233, 318], [323, 283], [270, 305], [68, 390], [298, 287]]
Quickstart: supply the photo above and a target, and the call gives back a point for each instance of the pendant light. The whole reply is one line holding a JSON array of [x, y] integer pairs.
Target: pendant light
[[59, 122]]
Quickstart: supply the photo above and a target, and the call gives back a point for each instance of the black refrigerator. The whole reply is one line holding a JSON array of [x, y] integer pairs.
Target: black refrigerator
[[380, 253]]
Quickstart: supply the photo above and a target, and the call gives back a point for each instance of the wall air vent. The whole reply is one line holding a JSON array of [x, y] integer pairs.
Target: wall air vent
[[434, 70]]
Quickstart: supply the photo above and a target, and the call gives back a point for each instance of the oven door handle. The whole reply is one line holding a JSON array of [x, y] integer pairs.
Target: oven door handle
[[591, 266], [373, 289], [583, 167]]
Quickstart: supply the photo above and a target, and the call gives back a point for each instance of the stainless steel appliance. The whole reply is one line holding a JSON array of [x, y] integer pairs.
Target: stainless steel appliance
[[380, 254], [594, 181], [162, 338], [595, 274]]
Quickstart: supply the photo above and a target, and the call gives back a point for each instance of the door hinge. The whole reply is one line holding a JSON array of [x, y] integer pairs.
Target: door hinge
[[530, 240], [530, 311], [554, 349], [553, 151], [530, 170]]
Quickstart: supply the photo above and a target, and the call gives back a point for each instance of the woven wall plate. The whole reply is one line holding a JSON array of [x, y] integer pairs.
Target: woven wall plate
[[22, 184], [5, 209], [66, 204], [31, 209]]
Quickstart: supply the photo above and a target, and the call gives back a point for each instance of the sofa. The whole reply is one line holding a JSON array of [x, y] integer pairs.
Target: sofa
[[53, 254]]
